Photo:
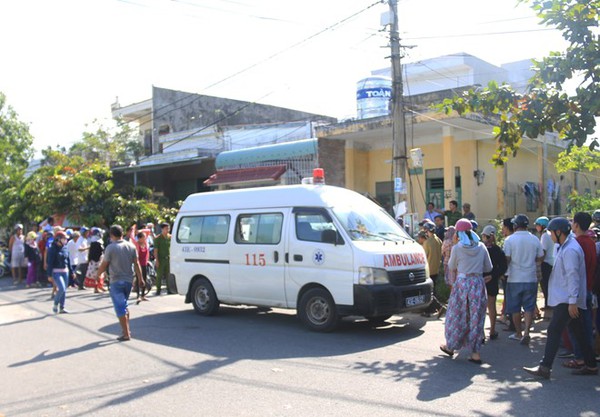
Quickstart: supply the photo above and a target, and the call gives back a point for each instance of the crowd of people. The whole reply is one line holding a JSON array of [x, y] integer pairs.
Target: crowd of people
[[563, 260], [51, 256]]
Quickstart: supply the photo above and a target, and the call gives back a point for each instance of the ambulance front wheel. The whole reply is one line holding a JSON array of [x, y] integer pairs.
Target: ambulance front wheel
[[204, 298], [317, 310]]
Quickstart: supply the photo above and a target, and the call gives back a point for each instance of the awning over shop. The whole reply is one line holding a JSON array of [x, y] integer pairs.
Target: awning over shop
[[247, 175], [279, 151]]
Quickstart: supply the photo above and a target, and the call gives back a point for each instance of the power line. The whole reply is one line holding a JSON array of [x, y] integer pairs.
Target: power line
[[482, 132], [465, 35], [240, 140], [239, 109], [235, 74], [254, 16]]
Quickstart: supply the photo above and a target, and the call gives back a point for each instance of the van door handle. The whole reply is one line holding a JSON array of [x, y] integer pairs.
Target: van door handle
[[298, 258], [287, 258], [276, 256]]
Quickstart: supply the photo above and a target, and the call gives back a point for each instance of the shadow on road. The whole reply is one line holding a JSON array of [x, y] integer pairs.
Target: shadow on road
[[57, 355], [442, 377], [251, 333]]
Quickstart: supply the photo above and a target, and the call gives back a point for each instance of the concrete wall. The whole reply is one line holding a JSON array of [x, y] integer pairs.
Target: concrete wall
[[183, 111], [357, 170], [380, 168], [332, 160], [500, 195]]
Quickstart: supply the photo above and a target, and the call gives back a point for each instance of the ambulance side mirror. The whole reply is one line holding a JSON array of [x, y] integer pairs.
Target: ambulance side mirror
[[329, 236]]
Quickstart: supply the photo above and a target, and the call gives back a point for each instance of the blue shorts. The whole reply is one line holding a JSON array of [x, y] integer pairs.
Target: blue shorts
[[119, 293], [521, 294]]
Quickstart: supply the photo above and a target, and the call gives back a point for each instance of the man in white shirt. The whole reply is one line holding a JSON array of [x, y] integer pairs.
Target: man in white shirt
[[548, 246], [567, 297], [82, 246], [73, 256], [523, 250], [430, 213], [150, 236]]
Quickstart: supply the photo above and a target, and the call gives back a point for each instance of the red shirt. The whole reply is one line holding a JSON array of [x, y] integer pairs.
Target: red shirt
[[589, 254], [42, 247], [144, 253]]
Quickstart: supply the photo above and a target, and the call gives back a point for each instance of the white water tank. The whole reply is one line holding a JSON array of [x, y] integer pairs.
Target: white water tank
[[373, 95]]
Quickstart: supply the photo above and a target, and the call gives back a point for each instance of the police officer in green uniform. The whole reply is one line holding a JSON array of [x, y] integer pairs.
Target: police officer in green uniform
[[162, 251], [453, 215]]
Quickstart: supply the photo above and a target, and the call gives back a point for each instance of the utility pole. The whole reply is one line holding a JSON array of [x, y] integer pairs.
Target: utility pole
[[399, 152]]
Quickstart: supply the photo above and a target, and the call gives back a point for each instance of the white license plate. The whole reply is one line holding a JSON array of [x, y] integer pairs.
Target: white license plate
[[415, 301]]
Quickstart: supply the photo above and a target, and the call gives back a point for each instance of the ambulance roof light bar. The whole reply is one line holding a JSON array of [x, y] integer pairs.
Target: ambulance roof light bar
[[318, 177]]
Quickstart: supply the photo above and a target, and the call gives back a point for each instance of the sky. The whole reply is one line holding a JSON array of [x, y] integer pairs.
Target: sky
[[64, 62]]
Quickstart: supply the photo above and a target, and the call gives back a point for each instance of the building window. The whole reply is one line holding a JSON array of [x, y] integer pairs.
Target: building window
[[532, 195], [148, 142], [164, 129], [384, 193]]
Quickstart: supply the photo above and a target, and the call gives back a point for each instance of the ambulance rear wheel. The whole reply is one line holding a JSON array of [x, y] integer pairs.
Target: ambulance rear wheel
[[204, 298], [317, 310]]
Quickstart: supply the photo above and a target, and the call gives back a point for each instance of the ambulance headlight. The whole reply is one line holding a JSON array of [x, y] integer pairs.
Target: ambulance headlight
[[372, 276]]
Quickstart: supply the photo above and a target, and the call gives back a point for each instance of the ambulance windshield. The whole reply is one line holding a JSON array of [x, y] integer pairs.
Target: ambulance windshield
[[369, 222]]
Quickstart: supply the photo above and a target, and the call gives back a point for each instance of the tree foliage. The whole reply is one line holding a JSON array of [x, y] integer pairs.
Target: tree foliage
[[84, 191], [77, 182], [547, 107], [578, 159], [15, 143], [15, 151], [65, 184], [125, 210], [587, 202], [113, 146]]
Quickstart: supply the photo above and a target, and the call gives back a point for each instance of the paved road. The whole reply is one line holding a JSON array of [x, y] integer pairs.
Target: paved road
[[245, 362]]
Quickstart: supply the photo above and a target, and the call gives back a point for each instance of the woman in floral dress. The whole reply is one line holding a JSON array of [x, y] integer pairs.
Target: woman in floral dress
[[95, 256], [32, 253], [447, 244], [467, 305]]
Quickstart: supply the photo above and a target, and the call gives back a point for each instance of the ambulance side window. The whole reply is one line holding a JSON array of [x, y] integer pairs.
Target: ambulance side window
[[203, 229], [311, 225], [263, 228]]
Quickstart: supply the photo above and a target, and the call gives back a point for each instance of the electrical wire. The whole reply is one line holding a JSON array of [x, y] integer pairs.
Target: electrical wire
[[254, 65], [331, 27], [229, 11], [407, 36], [466, 35], [242, 139], [481, 132], [213, 123]]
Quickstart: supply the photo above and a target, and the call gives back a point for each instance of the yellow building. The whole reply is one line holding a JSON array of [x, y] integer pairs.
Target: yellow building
[[456, 166]]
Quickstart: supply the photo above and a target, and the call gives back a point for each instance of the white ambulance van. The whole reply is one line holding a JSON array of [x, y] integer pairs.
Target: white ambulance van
[[325, 251]]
